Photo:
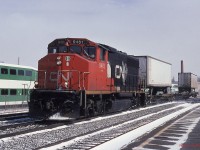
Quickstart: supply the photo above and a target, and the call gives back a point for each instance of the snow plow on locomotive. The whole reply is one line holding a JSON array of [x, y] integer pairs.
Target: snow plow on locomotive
[[80, 78]]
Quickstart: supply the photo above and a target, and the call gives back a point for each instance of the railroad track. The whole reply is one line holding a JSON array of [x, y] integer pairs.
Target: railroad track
[[45, 137], [24, 125], [12, 116], [92, 140], [15, 121]]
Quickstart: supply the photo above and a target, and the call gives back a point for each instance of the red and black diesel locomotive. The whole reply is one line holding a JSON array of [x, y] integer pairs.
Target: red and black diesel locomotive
[[79, 78]]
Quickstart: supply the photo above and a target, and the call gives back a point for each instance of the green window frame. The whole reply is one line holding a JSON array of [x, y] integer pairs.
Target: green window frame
[[21, 72], [4, 91], [4, 71], [13, 72], [28, 73], [13, 92]]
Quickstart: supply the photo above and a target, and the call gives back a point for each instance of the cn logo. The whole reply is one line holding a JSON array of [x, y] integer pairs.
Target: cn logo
[[121, 71]]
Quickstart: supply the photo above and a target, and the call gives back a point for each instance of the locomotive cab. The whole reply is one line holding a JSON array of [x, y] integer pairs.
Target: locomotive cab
[[70, 63]]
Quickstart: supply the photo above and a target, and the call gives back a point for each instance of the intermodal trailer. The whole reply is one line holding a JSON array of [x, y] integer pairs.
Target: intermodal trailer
[[157, 74], [187, 81]]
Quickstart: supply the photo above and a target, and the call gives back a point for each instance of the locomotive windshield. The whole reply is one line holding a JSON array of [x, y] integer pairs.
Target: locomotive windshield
[[52, 50], [60, 49], [90, 52], [75, 49], [80, 47]]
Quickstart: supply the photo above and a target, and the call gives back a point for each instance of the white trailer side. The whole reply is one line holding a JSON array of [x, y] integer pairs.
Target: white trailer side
[[156, 72]]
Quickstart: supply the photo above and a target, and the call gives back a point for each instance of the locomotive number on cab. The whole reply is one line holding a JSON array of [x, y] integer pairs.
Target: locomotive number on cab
[[78, 42]]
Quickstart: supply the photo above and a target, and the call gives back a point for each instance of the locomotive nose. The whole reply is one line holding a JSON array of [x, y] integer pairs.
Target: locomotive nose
[[47, 71]]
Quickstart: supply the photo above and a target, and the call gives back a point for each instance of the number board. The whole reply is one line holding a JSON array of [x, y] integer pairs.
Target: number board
[[61, 42], [79, 42]]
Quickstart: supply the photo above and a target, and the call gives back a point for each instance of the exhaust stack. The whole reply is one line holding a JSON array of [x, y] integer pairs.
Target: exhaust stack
[[182, 67]]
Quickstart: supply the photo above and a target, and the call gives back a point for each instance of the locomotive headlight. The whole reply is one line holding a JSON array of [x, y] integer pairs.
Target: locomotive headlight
[[59, 57], [36, 84], [59, 62], [66, 84]]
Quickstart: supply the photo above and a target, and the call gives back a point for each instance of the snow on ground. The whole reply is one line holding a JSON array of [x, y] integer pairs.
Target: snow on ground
[[31, 133], [92, 120], [123, 140], [127, 112], [184, 138], [13, 110]]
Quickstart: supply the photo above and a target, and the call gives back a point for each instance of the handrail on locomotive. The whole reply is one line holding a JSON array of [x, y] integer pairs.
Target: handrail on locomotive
[[61, 74], [141, 82]]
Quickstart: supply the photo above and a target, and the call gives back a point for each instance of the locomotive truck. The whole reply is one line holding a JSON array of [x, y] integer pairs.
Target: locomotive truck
[[81, 78]]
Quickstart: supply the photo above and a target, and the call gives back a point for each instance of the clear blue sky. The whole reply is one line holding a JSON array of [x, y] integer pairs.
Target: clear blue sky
[[165, 29]]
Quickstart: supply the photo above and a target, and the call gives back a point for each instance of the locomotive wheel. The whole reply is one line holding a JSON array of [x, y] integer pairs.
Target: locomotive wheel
[[100, 108], [108, 105], [133, 102], [137, 102], [90, 111], [67, 107]]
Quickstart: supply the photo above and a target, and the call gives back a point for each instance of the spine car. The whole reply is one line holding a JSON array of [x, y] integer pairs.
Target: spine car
[[79, 78]]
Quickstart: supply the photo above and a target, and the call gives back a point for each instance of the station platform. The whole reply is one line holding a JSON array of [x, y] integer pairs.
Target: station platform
[[181, 133]]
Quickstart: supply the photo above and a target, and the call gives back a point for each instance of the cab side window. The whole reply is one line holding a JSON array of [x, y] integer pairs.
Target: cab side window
[[90, 52], [62, 49], [102, 54], [52, 50]]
